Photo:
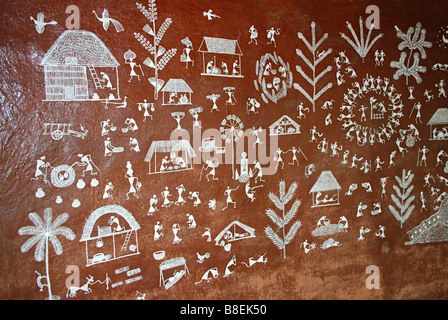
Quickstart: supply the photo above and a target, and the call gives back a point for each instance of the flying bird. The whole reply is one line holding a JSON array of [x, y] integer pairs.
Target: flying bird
[[106, 20], [40, 24], [210, 15]]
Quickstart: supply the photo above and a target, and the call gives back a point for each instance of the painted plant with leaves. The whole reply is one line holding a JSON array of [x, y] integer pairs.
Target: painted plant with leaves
[[361, 46], [403, 199], [316, 58], [280, 203], [413, 39], [42, 234], [160, 56]]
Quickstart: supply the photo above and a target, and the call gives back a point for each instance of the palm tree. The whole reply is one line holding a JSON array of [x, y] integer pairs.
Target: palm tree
[[41, 232]]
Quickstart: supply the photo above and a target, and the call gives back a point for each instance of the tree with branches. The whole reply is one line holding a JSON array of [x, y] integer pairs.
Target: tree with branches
[[280, 203], [160, 56], [317, 57], [403, 199]]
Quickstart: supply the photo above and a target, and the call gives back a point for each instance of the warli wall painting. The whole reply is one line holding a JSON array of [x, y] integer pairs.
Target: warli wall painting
[[223, 150]]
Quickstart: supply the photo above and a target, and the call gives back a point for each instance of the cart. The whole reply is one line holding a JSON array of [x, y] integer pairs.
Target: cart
[[58, 130]]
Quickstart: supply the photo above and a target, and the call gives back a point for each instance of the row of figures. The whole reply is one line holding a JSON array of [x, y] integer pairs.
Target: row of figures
[[158, 229]]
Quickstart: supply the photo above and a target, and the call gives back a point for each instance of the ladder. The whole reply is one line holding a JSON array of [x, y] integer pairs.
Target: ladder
[[126, 241], [95, 78]]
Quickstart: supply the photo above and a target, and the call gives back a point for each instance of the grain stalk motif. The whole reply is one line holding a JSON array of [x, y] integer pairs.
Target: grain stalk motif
[[361, 47], [404, 198], [154, 48], [280, 202], [317, 57]]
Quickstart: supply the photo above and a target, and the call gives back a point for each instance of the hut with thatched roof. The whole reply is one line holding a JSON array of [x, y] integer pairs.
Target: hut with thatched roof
[[325, 190], [78, 66], [180, 156], [438, 125], [176, 92], [116, 234], [221, 57]]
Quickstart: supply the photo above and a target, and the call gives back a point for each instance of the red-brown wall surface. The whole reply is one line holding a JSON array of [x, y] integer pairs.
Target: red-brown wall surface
[[406, 271]]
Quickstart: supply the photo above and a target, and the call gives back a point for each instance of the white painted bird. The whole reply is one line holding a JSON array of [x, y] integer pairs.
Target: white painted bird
[[40, 24], [210, 15], [105, 19]]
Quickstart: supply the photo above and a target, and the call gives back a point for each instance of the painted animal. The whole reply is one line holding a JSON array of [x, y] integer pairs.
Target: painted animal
[[232, 262], [212, 272], [345, 116], [253, 261], [330, 242], [328, 104], [71, 291], [202, 257], [307, 246]]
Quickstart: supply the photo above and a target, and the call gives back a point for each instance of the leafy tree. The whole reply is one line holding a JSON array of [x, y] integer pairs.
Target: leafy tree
[[160, 56], [404, 198], [281, 222]]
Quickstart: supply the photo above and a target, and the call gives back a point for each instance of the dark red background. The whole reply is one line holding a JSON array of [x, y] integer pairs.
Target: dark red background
[[416, 272]]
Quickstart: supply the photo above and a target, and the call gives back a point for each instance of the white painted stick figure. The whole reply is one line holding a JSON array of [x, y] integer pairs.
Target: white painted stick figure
[[86, 161], [107, 191], [278, 158], [361, 207], [258, 171], [380, 232], [145, 105], [195, 195], [229, 197], [106, 126], [294, 155], [440, 86], [301, 110], [180, 199], [166, 202], [133, 143], [378, 164], [176, 229], [363, 231], [191, 222], [328, 120], [391, 158], [428, 95], [423, 201], [158, 231], [354, 159], [106, 79], [313, 133], [421, 159], [271, 33], [185, 57], [383, 182], [41, 169], [152, 205], [345, 157], [253, 35]]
